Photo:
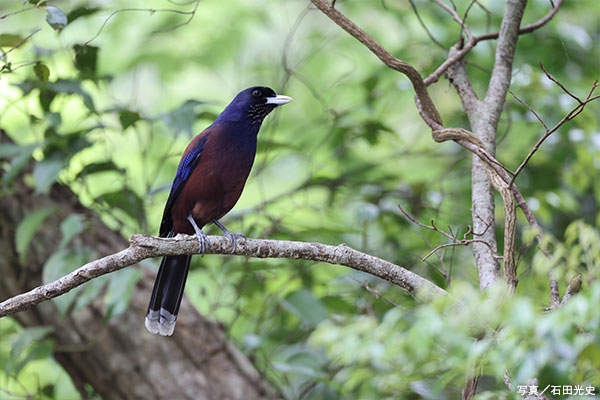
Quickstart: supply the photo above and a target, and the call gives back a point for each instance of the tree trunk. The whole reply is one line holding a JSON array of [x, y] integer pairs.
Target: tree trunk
[[118, 357]]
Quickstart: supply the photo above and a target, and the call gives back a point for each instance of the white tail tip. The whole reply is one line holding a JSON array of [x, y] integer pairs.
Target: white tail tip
[[160, 322]]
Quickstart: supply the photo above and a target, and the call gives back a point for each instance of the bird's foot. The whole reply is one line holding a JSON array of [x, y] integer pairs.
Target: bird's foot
[[231, 236], [203, 241]]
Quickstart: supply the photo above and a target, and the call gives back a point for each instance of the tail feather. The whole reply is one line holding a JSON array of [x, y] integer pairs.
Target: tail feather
[[167, 294]]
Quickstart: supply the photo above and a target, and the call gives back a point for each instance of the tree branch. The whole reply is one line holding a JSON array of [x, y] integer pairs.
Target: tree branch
[[569, 116], [425, 105], [527, 28], [472, 41], [503, 60], [142, 247], [488, 266]]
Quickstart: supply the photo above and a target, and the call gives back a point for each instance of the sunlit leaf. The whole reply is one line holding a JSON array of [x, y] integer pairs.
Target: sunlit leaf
[[41, 71], [28, 345], [71, 86], [56, 18], [10, 40]]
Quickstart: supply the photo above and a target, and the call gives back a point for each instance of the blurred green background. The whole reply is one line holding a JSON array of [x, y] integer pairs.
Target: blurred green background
[[111, 119]]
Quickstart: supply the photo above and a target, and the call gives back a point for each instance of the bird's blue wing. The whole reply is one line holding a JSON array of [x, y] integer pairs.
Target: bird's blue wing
[[186, 166]]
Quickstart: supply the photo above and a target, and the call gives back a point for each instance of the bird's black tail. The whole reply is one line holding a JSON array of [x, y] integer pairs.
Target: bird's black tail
[[167, 294]]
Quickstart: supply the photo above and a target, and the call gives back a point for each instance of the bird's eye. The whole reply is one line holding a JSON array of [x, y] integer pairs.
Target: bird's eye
[[256, 93]]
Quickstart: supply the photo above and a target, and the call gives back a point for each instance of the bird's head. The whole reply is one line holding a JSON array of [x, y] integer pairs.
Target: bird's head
[[253, 105]]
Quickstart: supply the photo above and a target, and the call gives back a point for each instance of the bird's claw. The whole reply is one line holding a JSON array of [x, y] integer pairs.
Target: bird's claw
[[203, 242], [233, 239]]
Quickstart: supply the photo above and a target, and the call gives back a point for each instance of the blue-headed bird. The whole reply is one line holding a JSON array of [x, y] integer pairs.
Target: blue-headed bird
[[209, 181]]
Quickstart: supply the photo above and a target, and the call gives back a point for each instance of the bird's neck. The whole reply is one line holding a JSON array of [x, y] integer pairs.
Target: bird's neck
[[238, 133], [251, 116]]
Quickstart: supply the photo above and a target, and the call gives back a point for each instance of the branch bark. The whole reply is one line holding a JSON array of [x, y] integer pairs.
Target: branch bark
[[143, 247]]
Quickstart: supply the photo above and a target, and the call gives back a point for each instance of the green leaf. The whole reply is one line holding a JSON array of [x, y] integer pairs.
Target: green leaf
[[128, 118], [120, 288], [41, 71], [127, 200], [27, 337], [104, 166], [183, 117], [27, 345], [71, 86], [86, 58], [305, 306], [18, 162], [27, 229], [301, 362], [54, 118], [48, 391], [45, 97], [56, 18], [70, 227], [46, 172], [81, 12], [10, 40], [26, 86], [9, 150], [60, 264]]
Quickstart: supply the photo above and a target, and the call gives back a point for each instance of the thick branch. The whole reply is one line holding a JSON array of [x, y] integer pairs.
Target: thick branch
[[503, 60], [142, 247]]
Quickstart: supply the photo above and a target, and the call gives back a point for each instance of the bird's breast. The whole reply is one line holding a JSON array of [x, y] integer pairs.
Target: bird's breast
[[217, 181]]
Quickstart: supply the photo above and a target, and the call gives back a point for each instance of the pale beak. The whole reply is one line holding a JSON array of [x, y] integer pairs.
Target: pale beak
[[279, 100]]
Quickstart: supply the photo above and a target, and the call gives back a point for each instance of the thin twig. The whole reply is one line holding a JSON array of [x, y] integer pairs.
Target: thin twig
[[527, 28], [148, 10], [456, 17], [17, 12], [530, 109], [433, 39], [462, 242], [455, 240], [377, 293], [553, 79], [192, 14], [36, 30], [434, 76], [569, 116]]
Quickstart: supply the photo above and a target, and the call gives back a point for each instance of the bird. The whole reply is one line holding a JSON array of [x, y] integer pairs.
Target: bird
[[209, 181]]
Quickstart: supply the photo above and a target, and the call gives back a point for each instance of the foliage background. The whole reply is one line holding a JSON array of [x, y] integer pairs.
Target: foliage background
[[111, 119]]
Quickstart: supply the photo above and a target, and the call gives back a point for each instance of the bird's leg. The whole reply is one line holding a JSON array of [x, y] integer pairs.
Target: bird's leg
[[232, 236], [202, 238]]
